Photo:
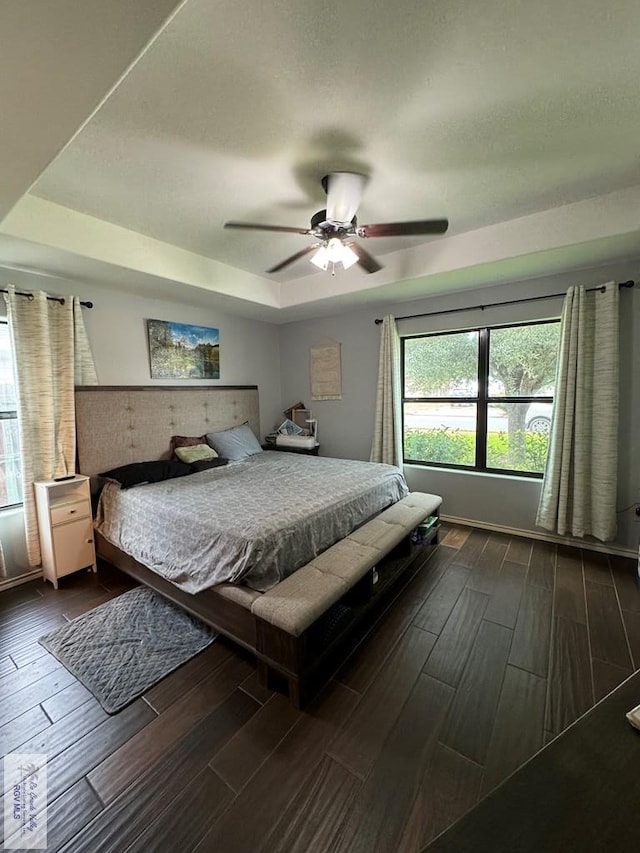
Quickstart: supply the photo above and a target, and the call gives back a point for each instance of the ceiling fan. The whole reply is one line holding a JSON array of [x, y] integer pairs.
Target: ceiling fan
[[336, 227]]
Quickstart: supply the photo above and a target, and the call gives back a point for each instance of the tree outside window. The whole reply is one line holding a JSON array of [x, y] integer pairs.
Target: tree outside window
[[481, 399]]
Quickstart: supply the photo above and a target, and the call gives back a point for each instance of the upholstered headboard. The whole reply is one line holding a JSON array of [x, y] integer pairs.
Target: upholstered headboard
[[118, 424]]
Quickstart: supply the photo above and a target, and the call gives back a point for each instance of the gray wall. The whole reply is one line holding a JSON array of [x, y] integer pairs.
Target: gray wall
[[346, 426], [249, 355]]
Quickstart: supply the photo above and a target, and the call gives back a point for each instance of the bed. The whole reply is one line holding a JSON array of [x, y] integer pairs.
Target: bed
[[253, 521], [224, 543]]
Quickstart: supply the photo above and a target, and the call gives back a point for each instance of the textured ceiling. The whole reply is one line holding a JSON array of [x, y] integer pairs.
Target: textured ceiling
[[482, 113]]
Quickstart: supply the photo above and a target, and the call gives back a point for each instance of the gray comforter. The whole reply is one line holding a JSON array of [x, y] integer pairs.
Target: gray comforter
[[254, 521]]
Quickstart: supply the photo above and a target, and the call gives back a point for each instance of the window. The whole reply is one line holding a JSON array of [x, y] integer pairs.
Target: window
[[480, 399], [10, 467]]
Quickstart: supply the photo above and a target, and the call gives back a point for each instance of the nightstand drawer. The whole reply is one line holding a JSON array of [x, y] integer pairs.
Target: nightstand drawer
[[69, 511], [73, 546]]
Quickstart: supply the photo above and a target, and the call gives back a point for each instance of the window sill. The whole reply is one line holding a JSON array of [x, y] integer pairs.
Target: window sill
[[491, 474]]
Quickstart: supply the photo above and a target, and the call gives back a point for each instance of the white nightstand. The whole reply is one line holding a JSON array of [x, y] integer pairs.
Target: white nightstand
[[66, 527]]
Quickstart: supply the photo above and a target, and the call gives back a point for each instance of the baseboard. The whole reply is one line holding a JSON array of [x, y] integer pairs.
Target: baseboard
[[8, 583], [603, 548]]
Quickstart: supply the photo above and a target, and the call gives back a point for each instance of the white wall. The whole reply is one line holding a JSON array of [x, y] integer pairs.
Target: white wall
[[249, 355], [346, 426]]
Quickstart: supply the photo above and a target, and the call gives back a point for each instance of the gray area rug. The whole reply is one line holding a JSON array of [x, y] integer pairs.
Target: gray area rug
[[125, 646]]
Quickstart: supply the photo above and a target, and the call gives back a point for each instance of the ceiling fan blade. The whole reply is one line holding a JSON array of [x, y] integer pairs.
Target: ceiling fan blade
[[307, 250], [400, 229], [344, 193], [258, 227], [365, 260]]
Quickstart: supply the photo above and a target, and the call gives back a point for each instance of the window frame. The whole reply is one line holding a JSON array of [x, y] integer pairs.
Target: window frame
[[10, 415], [482, 401]]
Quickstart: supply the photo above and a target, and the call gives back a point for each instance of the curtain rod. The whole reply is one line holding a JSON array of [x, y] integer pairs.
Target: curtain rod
[[602, 288], [60, 299]]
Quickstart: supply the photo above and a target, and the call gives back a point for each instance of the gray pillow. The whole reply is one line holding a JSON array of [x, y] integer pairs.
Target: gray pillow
[[235, 443]]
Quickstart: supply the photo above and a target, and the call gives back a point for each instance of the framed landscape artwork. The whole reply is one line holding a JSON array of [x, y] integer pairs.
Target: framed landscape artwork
[[181, 351]]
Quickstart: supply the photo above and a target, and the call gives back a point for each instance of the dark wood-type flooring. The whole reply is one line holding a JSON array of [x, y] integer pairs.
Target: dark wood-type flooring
[[489, 651]]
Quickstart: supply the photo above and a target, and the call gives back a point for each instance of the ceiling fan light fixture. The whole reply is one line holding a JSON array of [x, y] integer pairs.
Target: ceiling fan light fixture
[[321, 258], [333, 252], [349, 257]]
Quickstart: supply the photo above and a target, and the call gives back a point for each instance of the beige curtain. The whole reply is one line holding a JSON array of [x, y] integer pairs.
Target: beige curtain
[[51, 353], [578, 496], [387, 436], [3, 566]]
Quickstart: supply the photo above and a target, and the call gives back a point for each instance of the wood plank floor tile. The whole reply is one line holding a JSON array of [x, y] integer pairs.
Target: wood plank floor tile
[[6, 666], [314, 821], [384, 804], [472, 714], [631, 621], [505, 600], [133, 812], [626, 580], [542, 565], [359, 744], [596, 567], [431, 570], [79, 608], [20, 729], [570, 686], [55, 601], [469, 553], [518, 731], [255, 689], [434, 613], [145, 747], [569, 598], [26, 654], [70, 584], [69, 813], [86, 752], [450, 787], [519, 550], [250, 821], [364, 663], [26, 675], [606, 631], [242, 756], [12, 639], [65, 732], [450, 653], [486, 571], [455, 535], [17, 703], [606, 677], [16, 595], [186, 819], [67, 700], [172, 688], [531, 636]]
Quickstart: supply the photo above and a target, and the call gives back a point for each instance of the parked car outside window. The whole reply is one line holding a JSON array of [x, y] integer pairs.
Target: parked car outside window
[[539, 417]]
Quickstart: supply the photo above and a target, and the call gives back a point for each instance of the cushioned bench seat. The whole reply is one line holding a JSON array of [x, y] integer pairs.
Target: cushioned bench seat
[[297, 601]]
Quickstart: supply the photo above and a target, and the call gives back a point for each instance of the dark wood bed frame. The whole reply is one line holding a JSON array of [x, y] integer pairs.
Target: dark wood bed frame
[[298, 666]]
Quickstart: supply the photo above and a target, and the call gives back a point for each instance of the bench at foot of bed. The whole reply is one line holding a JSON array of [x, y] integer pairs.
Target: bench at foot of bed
[[307, 619]]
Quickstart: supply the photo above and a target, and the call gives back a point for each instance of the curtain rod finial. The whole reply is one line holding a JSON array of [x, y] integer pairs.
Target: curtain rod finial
[[378, 321]]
